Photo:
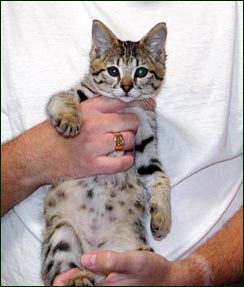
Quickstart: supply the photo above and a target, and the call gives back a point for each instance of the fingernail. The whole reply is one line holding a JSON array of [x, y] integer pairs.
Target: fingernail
[[88, 260]]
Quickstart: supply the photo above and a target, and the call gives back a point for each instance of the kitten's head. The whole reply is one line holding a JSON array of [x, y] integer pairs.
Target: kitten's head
[[124, 69]]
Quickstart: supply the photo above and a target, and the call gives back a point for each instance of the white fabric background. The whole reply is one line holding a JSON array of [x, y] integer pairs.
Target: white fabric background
[[45, 48]]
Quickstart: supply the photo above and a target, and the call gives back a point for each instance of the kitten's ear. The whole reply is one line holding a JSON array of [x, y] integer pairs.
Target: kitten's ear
[[154, 41], [103, 38]]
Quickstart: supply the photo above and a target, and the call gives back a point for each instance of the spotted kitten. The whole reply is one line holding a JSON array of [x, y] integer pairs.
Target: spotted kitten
[[107, 212]]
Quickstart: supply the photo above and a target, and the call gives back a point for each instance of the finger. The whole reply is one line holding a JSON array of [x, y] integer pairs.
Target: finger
[[108, 165], [113, 105], [103, 145], [116, 122], [106, 262], [61, 279], [109, 105], [106, 145], [145, 104], [109, 145], [105, 104]]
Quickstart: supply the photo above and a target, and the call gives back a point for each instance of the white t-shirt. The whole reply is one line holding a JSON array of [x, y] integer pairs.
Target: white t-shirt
[[45, 48]]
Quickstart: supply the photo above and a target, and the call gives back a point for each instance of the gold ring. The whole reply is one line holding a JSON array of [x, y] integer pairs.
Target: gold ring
[[119, 141]]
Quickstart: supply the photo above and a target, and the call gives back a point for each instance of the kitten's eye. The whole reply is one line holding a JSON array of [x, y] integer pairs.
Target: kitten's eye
[[113, 71], [141, 72]]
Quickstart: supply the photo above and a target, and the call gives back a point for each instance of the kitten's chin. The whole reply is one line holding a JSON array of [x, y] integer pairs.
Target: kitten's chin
[[127, 97], [119, 94]]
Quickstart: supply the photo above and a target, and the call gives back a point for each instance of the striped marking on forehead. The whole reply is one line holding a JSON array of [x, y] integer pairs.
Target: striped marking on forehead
[[128, 50]]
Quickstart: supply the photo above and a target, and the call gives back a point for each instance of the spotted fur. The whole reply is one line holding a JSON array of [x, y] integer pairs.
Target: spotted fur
[[107, 212]]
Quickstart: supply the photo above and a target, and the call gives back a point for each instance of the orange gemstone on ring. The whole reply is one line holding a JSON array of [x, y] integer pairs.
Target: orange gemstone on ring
[[119, 141]]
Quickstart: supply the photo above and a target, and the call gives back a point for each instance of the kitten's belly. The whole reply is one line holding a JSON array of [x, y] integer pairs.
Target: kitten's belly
[[103, 214]]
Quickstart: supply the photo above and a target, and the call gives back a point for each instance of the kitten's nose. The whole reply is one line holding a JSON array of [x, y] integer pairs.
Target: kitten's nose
[[126, 88], [126, 84]]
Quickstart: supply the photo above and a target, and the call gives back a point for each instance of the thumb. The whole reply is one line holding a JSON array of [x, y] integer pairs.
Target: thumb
[[106, 262]]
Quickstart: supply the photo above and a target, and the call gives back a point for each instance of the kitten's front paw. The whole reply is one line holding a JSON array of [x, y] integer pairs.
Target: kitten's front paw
[[67, 122], [160, 220], [64, 112], [81, 278]]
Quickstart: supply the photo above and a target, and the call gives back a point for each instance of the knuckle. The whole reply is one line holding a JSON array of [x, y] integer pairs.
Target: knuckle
[[119, 166], [108, 260], [136, 120], [133, 140], [122, 164], [130, 140]]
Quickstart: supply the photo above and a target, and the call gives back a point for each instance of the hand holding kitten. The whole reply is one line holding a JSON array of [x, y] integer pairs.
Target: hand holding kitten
[[86, 153]]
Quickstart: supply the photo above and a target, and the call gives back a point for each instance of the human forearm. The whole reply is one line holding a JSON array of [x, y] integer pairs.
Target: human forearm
[[219, 260], [25, 162]]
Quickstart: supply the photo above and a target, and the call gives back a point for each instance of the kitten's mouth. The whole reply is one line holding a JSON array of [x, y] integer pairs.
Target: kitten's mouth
[[124, 97], [128, 98]]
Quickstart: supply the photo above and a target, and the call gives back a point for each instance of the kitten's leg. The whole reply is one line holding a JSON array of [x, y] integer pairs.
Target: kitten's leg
[[160, 204], [152, 174], [62, 251], [64, 112], [157, 184]]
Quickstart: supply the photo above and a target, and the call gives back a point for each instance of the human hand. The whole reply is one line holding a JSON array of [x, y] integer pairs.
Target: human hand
[[87, 153], [132, 268], [142, 268]]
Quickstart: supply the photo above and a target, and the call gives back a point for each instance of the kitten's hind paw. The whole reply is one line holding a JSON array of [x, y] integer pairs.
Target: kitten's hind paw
[[160, 221], [81, 278]]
